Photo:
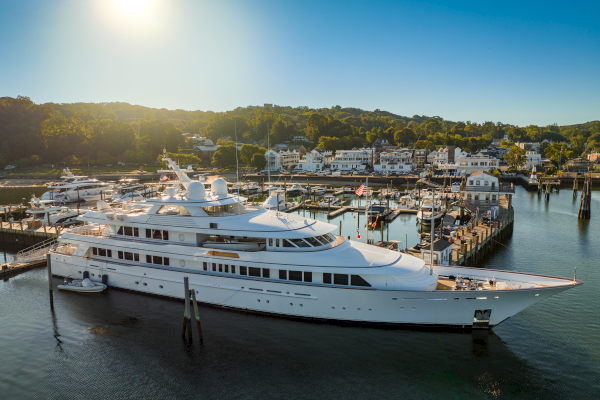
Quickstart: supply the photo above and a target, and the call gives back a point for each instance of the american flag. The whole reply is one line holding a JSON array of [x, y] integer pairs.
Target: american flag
[[163, 178], [361, 190]]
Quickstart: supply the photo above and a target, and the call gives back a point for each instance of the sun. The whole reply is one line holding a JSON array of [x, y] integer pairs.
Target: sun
[[133, 7]]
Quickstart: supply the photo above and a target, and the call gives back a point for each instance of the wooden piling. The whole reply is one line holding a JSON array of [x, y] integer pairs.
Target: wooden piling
[[586, 194], [187, 323], [197, 315], [50, 291]]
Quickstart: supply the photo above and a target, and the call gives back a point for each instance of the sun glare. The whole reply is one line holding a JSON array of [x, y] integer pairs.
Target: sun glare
[[134, 7]]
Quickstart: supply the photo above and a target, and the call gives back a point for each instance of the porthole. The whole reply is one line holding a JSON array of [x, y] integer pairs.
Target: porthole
[[160, 286], [137, 283], [333, 308], [182, 237], [145, 284], [343, 308], [258, 300], [79, 271], [291, 304], [267, 301], [359, 308], [301, 305], [94, 275], [182, 263]]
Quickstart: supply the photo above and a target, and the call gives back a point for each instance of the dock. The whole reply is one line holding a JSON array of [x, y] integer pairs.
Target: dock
[[20, 234]]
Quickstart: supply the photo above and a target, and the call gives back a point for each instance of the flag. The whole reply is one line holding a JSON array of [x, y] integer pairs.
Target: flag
[[361, 190], [163, 178], [375, 223]]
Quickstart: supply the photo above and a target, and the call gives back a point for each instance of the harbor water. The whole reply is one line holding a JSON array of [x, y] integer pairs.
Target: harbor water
[[123, 345]]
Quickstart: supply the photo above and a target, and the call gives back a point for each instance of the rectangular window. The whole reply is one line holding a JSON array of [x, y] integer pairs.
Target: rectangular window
[[220, 267], [120, 255], [254, 271], [295, 275], [226, 268], [136, 232], [205, 266], [166, 260], [129, 256], [357, 280], [307, 276], [266, 273], [109, 253], [156, 234], [214, 267], [233, 269], [340, 279], [148, 233], [243, 270], [94, 251], [136, 257], [270, 241], [148, 258], [276, 242], [165, 235], [156, 260], [102, 252], [128, 231], [282, 274]]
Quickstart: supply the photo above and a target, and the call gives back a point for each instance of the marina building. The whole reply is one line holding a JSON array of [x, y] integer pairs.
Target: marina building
[[279, 160], [315, 160], [533, 159], [420, 157], [357, 159], [483, 189], [470, 163], [399, 160], [205, 151]]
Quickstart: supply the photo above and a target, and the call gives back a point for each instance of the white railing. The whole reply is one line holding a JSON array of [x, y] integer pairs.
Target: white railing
[[36, 251]]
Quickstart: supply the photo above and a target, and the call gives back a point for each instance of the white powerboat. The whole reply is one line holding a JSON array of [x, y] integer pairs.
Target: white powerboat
[[132, 190], [297, 266], [430, 209], [329, 200], [49, 212], [82, 286], [317, 190]]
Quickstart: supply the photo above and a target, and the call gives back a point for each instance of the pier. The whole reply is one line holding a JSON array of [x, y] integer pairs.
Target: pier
[[22, 235]]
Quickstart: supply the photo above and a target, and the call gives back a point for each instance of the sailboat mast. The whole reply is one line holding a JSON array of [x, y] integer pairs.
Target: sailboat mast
[[237, 166], [432, 236]]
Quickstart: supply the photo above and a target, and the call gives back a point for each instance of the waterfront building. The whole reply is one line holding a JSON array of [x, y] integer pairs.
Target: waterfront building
[[445, 155], [533, 159], [205, 151], [399, 160], [420, 157], [315, 160], [357, 159], [483, 189], [442, 252], [528, 146], [579, 165], [279, 160], [470, 163]]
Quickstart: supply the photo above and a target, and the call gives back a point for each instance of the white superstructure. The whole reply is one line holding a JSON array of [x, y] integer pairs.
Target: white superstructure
[[247, 257]]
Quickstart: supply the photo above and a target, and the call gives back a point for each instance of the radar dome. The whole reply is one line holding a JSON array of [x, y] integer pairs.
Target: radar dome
[[171, 192], [195, 191], [219, 187]]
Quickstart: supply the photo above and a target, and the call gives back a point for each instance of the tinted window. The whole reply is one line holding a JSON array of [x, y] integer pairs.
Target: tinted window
[[157, 260], [254, 271], [149, 233], [243, 271], [94, 251], [299, 242], [166, 261], [313, 241], [120, 231], [357, 280], [282, 274], [287, 243], [266, 273], [109, 253], [205, 266], [121, 255], [129, 256], [165, 235], [214, 267], [340, 279], [307, 276], [136, 257], [102, 252], [233, 269], [156, 234], [295, 275], [226, 268], [326, 277], [148, 259], [128, 231], [270, 241], [220, 267], [136, 232]]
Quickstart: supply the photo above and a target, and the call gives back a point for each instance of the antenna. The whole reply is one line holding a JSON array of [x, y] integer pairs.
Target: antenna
[[268, 166], [432, 236], [237, 167]]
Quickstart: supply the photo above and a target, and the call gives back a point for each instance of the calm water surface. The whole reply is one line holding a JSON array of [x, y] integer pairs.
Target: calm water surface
[[126, 345]]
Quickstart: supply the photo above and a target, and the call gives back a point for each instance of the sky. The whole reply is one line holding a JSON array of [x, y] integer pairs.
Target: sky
[[518, 62]]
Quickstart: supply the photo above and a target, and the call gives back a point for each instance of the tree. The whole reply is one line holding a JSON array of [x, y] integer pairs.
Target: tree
[[247, 151], [424, 144], [182, 158], [404, 136], [224, 156], [516, 157], [259, 161]]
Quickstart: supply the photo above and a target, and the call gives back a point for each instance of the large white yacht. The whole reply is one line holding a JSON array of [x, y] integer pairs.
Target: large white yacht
[[74, 188], [251, 258]]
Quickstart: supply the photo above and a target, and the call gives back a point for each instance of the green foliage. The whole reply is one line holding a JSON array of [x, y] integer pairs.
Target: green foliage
[[259, 161], [224, 156], [515, 157], [344, 143], [424, 144], [180, 159], [247, 152]]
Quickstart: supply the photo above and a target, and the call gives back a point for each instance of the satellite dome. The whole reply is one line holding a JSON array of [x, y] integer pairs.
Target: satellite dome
[[195, 191], [219, 187]]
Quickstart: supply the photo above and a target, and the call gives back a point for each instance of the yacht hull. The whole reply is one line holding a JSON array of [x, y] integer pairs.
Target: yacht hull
[[434, 308]]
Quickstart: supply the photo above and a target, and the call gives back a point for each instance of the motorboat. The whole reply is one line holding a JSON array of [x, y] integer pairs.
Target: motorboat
[[48, 213], [430, 209], [329, 200], [295, 190], [276, 201], [298, 266], [82, 286], [317, 190], [377, 211], [130, 189], [75, 188]]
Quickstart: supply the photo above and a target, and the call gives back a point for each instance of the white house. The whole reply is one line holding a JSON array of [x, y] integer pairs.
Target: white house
[[358, 159], [482, 188], [315, 160], [394, 161], [533, 158], [442, 252], [448, 154], [470, 163], [279, 160]]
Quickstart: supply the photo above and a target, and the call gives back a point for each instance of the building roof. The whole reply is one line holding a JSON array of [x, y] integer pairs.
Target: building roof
[[482, 172], [438, 245]]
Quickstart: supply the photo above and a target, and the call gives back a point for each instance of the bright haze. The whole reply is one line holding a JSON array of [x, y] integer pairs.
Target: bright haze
[[513, 61]]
